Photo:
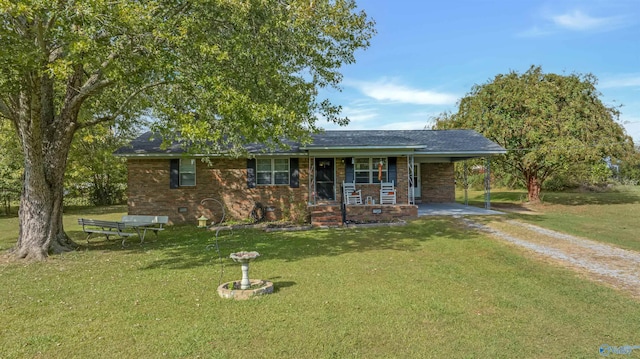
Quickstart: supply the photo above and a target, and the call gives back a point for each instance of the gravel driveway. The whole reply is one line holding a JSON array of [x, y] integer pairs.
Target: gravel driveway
[[614, 266]]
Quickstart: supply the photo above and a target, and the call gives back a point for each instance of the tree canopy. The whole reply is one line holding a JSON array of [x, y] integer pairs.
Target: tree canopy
[[546, 122], [221, 72]]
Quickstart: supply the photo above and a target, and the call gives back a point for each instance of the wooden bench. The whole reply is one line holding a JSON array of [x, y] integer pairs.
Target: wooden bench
[[144, 223], [108, 228]]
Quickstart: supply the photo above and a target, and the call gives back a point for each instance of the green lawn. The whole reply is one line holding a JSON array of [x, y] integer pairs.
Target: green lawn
[[428, 289], [611, 217]]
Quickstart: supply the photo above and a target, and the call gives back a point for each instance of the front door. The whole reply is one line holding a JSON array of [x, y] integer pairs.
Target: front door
[[325, 179]]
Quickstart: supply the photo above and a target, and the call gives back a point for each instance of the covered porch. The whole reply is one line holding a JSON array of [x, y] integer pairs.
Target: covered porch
[[425, 186], [416, 178], [420, 164]]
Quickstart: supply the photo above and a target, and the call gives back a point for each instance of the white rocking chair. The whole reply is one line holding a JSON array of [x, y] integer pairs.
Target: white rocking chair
[[351, 194], [387, 193]]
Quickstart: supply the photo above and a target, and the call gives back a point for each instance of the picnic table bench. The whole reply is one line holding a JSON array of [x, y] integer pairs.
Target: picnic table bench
[[144, 223], [130, 225], [108, 228]]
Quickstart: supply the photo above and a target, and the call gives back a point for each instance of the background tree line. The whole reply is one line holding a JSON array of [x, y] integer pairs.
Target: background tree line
[[94, 175]]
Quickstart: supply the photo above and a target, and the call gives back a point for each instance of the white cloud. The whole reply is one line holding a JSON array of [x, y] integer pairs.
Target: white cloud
[[385, 90], [577, 20], [633, 130], [628, 80], [359, 114], [409, 125]]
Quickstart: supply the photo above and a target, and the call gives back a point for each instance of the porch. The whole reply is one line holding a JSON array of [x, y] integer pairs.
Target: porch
[[331, 214], [416, 179], [419, 168]]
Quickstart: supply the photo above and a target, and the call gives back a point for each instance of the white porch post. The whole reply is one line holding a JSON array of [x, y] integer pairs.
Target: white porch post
[[312, 180], [411, 198], [465, 184], [487, 184]]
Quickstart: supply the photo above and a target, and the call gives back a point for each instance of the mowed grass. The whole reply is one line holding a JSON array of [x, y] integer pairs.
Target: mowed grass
[[611, 217], [429, 289]]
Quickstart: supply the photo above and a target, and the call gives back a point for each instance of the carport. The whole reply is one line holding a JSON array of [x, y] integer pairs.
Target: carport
[[453, 209]]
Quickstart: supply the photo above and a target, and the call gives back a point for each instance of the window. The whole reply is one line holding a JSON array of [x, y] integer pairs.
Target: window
[[367, 170], [272, 171], [187, 172]]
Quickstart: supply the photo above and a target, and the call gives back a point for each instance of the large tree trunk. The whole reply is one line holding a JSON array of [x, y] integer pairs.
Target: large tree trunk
[[534, 186], [46, 141], [41, 228]]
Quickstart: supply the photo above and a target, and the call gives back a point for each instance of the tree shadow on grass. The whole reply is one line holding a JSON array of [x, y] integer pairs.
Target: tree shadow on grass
[[508, 196], [85, 211], [279, 285], [99, 242], [184, 248], [586, 198]]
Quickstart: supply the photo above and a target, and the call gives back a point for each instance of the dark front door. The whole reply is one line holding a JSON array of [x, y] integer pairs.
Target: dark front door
[[325, 179]]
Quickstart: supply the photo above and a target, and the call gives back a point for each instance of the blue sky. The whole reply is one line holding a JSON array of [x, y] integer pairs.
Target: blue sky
[[428, 54]]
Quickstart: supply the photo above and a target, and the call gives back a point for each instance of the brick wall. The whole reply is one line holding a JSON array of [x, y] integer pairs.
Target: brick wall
[[437, 182], [402, 184], [331, 216], [382, 213], [224, 180]]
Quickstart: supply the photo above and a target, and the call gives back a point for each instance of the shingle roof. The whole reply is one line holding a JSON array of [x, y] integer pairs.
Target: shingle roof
[[149, 144], [427, 141], [418, 141]]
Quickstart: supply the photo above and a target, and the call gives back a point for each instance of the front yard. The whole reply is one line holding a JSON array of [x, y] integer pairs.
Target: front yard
[[432, 288]]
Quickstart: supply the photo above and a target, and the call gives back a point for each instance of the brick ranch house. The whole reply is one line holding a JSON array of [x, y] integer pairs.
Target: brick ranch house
[[303, 183]]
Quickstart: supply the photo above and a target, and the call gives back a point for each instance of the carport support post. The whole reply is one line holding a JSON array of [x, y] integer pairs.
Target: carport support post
[[465, 184], [487, 184]]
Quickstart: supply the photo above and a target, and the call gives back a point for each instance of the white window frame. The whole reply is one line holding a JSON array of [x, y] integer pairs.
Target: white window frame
[[371, 170], [187, 169], [272, 171]]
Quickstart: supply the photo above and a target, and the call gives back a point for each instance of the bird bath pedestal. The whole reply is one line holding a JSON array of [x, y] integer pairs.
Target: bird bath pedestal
[[248, 288], [244, 258]]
